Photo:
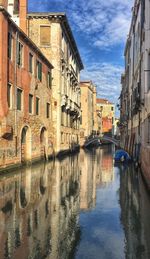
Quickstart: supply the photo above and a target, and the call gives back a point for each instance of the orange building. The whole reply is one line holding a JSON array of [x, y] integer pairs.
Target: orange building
[[25, 96], [107, 111]]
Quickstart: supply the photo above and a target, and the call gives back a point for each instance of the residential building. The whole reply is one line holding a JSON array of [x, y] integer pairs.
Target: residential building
[[88, 122], [52, 34], [135, 94], [26, 129], [106, 110], [18, 11]]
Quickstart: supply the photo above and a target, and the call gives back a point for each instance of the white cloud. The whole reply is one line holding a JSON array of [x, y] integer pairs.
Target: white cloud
[[106, 76], [104, 24], [107, 21]]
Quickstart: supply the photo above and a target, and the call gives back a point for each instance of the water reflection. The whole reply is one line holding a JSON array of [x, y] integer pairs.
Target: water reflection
[[135, 213], [105, 173], [39, 208], [79, 207]]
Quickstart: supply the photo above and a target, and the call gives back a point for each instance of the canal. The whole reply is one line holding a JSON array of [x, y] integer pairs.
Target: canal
[[78, 207]]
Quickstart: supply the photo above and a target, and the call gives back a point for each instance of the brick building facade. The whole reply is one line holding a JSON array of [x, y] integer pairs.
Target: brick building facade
[[26, 130]]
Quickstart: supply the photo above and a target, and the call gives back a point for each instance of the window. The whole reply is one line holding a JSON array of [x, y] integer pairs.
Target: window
[[20, 55], [19, 99], [16, 6], [37, 105], [62, 138], [30, 103], [112, 108], [62, 115], [47, 110], [9, 95], [49, 79], [10, 41], [39, 70], [30, 63], [45, 35]]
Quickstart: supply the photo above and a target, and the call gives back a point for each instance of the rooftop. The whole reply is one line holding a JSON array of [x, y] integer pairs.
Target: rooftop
[[103, 101]]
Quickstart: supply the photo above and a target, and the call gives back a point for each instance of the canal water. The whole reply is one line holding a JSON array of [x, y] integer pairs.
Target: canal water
[[79, 207]]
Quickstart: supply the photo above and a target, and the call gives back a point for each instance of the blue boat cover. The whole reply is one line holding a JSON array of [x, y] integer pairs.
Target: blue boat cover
[[121, 156]]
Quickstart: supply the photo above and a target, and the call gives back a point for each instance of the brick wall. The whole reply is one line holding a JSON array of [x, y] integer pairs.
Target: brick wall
[[14, 124]]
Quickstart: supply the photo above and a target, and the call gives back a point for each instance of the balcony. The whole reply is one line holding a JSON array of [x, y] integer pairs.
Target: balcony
[[6, 131], [72, 106], [63, 100], [68, 104]]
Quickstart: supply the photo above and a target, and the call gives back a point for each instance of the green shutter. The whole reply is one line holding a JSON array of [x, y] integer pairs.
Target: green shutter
[[37, 106], [30, 63], [19, 97], [9, 95], [30, 102], [9, 45]]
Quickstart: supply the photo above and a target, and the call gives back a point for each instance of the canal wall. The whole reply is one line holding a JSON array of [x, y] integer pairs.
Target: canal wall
[[145, 163], [139, 153]]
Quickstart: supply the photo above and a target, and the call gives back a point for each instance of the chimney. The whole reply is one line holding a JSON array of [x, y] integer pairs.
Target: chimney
[[23, 7], [4, 3]]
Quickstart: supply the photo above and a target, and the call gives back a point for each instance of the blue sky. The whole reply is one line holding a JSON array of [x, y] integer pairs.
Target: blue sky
[[100, 28]]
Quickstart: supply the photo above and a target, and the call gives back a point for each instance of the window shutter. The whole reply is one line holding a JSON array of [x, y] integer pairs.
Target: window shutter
[[45, 35]]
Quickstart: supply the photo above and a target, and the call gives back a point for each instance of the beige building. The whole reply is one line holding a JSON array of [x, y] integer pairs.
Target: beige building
[[106, 110], [89, 123], [52, 34], [135, 94]]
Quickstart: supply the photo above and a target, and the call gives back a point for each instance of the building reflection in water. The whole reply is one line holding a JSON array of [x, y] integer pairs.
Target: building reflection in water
[[135, 214], [96, 169], [105, 174], [39, 208]]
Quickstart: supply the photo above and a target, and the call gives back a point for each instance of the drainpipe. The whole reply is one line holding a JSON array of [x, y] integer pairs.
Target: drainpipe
[[15, 93]]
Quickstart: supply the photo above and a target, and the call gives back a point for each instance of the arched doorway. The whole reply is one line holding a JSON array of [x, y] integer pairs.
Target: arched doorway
[[25, 144], [43, 143]]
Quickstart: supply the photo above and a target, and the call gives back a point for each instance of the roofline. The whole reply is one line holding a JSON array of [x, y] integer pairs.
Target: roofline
[[86, 81], [131, 26], [64, 22], [34, 46], [104, 100], [88, 84]]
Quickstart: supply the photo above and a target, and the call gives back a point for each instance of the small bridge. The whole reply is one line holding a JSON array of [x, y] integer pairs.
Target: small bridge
[[98, 140], [111, 140]]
